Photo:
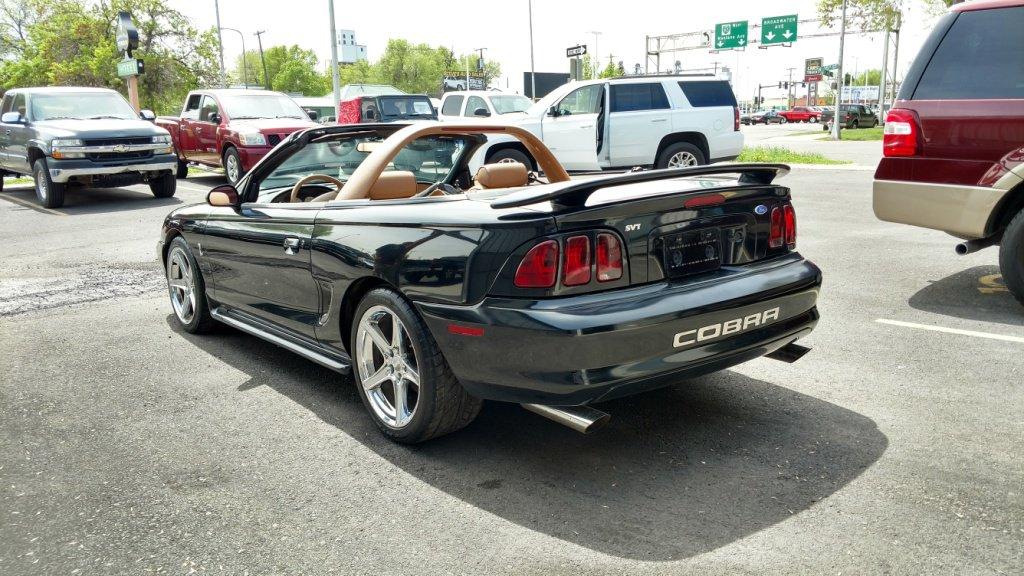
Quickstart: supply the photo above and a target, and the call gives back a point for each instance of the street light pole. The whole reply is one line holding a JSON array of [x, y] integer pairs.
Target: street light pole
[[220, 46], [245, 75], [597, 55], [335, 79], [533, 75], [839, 75], [266, 78]]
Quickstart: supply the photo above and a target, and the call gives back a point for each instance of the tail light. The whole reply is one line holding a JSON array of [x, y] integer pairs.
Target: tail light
[[900, 137], [539, 268], [609, 258], [576, 266], [783, 227], [735, 119]]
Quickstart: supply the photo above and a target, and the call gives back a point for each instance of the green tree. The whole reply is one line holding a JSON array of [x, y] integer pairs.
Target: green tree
[[870, 14], [612, 70], [415, 68], [66, 42], [290, 69]]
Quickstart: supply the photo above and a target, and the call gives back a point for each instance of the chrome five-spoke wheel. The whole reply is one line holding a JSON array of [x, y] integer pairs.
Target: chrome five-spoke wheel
[[682, 159], [181, 284], [387, 366]]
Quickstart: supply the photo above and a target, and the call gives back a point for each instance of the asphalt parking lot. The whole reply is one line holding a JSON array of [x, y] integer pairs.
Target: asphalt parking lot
[[127, 446]]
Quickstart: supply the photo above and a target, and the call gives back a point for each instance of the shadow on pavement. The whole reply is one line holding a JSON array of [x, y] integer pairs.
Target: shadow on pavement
[[677, 472], [97, 200], [975, 294]]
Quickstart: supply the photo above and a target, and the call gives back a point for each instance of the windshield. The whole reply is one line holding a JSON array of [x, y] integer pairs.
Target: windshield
[[240, 107], [393, 107], [510, 104], [81, 106], [431, 159]]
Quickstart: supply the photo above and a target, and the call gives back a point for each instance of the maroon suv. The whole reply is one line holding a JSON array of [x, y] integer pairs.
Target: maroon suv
[[954, 141]]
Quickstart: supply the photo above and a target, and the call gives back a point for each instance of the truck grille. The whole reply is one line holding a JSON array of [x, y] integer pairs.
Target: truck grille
[[114, 156], [115, 141], [273, 139]]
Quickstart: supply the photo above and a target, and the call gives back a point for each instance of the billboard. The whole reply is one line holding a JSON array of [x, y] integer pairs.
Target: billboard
[[546, 82], [459, 82], [859, 93]]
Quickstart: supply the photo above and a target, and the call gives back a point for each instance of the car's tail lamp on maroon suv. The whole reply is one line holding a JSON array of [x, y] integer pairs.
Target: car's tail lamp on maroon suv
[[901, 134]]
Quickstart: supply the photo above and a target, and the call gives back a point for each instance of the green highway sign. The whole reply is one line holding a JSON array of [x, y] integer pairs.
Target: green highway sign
[[778, 30], [731, 35]]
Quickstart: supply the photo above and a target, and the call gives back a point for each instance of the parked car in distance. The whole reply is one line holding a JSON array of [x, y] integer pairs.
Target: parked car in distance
[[456, 106], [800, 114], [320, 109], [69, 136], [766, 117], [232, 128], [660, 121], [373, 249], [953, 144], [386, 108], [854, 116]]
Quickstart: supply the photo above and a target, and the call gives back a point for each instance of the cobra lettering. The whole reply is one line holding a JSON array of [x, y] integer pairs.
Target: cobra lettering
[[727, 328]]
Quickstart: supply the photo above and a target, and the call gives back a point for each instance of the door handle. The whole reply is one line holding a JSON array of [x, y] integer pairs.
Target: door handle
[[587, 126], [291, 245], [659, 120]]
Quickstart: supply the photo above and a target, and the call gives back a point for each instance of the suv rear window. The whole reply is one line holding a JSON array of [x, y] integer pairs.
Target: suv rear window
[[704, 94], [979, 58], [632, 97]]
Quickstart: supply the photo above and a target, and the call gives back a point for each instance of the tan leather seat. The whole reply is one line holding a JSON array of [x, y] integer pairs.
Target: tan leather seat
[[502, 175], [393, 185]]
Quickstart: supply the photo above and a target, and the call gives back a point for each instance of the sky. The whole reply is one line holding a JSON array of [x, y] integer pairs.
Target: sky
[[503, 29]]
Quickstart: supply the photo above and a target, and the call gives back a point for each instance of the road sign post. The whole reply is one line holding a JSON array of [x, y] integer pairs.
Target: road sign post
[[778, 30], [731, 35], [127, 38]]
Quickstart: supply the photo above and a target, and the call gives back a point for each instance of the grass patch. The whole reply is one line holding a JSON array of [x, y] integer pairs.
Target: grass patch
[[784, 155], [859, 134]]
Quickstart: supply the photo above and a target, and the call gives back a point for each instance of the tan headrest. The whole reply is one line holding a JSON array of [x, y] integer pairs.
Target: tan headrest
[[394, 184], [502, 175]]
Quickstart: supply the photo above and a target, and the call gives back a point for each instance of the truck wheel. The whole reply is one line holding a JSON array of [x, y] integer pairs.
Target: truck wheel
[[680, 155], [233, 166], [1011, 257], [511, 155], [404, 381], [48, 192], [182, 172], [853, 125], [164, 186]]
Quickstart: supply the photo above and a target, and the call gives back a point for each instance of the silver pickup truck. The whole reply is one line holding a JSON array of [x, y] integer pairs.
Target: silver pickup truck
[[65, 136]]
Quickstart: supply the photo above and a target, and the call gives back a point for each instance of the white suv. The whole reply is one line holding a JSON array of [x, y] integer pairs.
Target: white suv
[[457, 106], [660, 121]]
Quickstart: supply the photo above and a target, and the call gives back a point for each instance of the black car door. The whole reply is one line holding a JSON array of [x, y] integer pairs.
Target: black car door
[[259, 259]]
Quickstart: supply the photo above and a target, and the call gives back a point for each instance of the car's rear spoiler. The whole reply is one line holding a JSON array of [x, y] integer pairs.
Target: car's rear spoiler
[[575, 193]]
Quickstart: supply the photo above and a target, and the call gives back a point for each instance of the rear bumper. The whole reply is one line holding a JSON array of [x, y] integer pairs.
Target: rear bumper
[[64, 170], [962, 211], [582, 349]]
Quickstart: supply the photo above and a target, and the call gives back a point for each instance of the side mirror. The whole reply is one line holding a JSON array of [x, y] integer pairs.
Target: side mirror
[[224, 195], [481, 112], [147, 115], [215, 118], [370, 114], [553, 112], [312, 115], [12, 118]]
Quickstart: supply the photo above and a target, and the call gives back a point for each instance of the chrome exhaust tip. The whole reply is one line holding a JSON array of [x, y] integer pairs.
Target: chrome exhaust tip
[[583, 419], [971, 246]]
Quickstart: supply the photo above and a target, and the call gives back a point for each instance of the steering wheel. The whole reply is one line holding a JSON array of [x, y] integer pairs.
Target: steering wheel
[[446, 187], [314, 178]]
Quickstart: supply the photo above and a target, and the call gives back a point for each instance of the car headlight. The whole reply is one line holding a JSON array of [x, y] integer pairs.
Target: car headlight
[[252, 139], [61, 142], [162, 139], [58, 143]]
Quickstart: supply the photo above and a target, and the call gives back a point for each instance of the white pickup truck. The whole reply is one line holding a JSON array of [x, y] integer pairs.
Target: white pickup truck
[[660, 121]]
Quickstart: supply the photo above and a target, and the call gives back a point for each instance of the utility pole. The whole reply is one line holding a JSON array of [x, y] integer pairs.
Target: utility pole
[[479, 68], [597, 56], [220, 47], [245, 75], [335, 79], [839, 76], [266, 77], [789, 89], [533, 74]]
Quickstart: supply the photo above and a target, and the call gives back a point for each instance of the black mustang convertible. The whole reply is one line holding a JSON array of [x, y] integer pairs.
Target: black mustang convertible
[[444, 284]]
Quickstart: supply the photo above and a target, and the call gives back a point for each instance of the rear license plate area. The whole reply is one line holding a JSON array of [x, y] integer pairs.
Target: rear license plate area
[[692, 252]]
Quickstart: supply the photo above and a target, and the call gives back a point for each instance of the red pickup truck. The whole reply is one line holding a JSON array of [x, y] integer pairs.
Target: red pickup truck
[[801, 114], [232, 128]]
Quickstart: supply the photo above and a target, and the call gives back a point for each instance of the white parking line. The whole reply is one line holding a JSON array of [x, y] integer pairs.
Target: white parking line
[[30, 205], [971, 333]]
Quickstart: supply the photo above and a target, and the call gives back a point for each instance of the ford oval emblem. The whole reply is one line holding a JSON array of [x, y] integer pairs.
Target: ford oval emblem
[[761, 209]]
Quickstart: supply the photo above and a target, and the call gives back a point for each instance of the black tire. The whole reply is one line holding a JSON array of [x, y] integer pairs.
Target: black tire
[[1, 182], [680, 147], [1011, 257], [231, 155], [48, 192], [854, 125], [182, 171], [164, 186], [511, 155], [200, 320], [874, 124], [782, 120], [442, 405]]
